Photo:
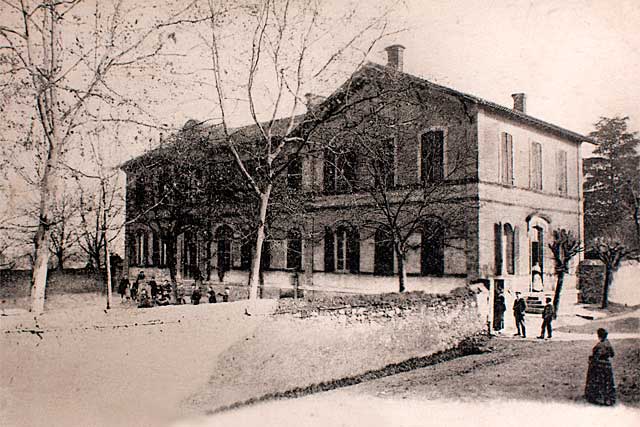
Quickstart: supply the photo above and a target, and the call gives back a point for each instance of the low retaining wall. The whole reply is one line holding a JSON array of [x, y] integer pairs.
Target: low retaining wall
[[15, 285], [310, 342]]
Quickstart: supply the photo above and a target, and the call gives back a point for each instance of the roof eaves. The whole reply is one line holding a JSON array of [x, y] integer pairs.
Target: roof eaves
[[492, 106]]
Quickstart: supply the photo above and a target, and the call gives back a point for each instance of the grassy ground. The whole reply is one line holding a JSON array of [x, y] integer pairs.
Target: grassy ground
[[544, 371]]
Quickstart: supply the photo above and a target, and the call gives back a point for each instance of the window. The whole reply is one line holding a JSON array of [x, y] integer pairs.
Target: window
[[562, 172], [294, 174], [329, 170], [155, 249], [245, 255], [537, 248], [384, 165], [224, 237], [339, 171], [142, 250], [535, 167], [510, 248], [432, 156], [139, 191], [294, 249], [329, 258], [133, 258], [432, 254], [383, 252], [347, 249], [506, 150]]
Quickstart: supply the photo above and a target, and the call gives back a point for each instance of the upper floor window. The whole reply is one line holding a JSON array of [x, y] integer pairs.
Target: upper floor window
[[506, 155], [294, 174], [339, 170], [535, 171], [561, 169], [385, 163], [294, 249], [432, 156]]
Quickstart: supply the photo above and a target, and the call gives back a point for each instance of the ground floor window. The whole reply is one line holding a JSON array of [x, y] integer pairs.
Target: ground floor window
[[432, 249], [294, 249], [383, 252], [224, 238]]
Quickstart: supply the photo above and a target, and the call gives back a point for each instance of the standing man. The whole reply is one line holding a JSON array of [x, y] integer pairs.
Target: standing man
[[519, 306], [547, 317]]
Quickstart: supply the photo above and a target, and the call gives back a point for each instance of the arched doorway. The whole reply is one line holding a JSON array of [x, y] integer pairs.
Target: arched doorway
[[383, 257]]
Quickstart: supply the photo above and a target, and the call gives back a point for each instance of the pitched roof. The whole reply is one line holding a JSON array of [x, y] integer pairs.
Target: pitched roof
[[491, 106]]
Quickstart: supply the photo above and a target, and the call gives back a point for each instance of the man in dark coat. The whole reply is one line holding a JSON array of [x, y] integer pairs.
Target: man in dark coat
[[153, 287], [547, 317], [519, 306]]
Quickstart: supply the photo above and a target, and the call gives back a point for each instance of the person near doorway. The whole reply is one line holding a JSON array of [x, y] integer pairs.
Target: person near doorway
[[519, 306], [600, 388], [499, 310], [536, 278], [547, 318]]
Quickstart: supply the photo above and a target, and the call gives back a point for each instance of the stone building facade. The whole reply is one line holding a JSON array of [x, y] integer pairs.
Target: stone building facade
[[514, 179]]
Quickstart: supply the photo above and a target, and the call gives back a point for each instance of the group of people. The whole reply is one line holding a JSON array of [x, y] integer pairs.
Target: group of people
[[600, 386], [519, 308], [149, 294]]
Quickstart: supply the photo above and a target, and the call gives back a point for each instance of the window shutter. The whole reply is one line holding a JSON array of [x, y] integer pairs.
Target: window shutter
[[155, 257], [353, 248], [145, 248], [498, 248], [329, 261], [516, 249]]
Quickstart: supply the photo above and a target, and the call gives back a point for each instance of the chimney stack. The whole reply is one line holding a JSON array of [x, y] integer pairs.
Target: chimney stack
[[520, 102], [395, 58]]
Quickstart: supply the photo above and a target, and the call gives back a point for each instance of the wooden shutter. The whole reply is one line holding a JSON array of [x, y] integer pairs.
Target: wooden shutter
[[497, 228], [155, 248], [329, 260], [353, 251]]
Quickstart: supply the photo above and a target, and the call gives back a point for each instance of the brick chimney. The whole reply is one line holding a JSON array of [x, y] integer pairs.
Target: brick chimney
[[520, 102], [395, 58]]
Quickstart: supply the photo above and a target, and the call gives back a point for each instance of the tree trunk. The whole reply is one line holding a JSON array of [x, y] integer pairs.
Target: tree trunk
[[402, 271], [556, 295], [608, 277], [254, 278], [60, 256], [105, 239], [172, 247], [39, 274], [108, 268], [47, 103]]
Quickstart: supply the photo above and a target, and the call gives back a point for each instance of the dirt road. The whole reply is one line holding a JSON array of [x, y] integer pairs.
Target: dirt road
[[124, 368], [534, 381]]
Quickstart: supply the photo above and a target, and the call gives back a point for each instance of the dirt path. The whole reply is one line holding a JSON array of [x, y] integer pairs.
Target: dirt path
[[131, 367], [538, 382]]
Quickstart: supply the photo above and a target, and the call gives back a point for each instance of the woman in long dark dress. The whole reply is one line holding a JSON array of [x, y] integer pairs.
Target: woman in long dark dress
[[600, 388]]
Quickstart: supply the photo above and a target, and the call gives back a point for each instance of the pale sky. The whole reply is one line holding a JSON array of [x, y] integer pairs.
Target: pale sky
[[576, 60]]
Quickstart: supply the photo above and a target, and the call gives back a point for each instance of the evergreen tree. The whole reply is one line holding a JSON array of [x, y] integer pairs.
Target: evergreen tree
[[612, 181]]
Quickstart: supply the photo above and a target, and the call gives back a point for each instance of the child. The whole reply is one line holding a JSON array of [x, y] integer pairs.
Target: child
[[547, 318]]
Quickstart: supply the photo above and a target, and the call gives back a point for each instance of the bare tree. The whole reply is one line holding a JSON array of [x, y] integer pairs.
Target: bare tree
[[59, 60], [63, 228], [282, 35], [611, 253], [565, 247]]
